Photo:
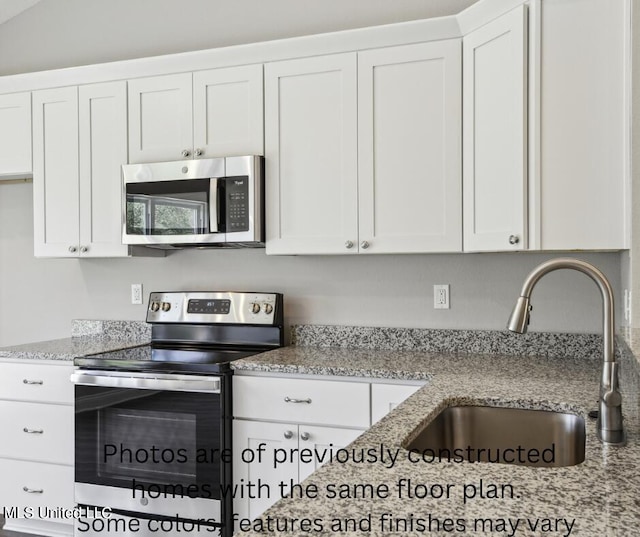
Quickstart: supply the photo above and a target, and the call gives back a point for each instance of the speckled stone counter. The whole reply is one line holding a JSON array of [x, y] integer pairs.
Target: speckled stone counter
[[599, 497], [88, 337]]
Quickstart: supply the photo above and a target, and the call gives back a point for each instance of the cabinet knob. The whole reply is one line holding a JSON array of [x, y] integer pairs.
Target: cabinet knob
[[305, 436], [514, 239], [186, 153], [84, 249], [348, 245], [198, 152], [36, 382], [73, 249], [33, 491], [288, 435], [364, 245], [32, 431]]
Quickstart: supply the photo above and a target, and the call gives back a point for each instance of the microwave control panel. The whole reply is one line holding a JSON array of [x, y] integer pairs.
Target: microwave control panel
[[237, 204]]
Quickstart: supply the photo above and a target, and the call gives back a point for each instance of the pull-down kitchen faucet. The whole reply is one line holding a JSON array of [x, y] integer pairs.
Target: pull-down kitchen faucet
[[609, 425]]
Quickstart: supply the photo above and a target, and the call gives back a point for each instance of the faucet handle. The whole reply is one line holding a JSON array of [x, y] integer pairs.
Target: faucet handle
[[611, 395]]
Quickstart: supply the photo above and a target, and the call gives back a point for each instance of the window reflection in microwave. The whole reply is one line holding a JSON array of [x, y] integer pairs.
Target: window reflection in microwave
[[167, 215]]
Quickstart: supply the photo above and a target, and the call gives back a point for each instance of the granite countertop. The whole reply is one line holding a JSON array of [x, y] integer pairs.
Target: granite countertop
[[600, 496], [88, 337]]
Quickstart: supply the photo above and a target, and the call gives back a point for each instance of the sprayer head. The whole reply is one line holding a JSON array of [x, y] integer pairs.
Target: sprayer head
[[520, 316]]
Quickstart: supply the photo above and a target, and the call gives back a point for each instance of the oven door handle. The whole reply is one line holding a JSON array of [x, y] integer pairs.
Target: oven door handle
[[165, 382]]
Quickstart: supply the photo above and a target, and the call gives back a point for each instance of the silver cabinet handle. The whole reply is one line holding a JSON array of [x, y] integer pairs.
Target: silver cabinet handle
[[514, 239], [364, 245], [198, 152], [73, 249], [32, 431], [292, 400], [33, 491], [186, 153], [305, 436], [84, 249], [288, 435], [348, 245], [33, 382]]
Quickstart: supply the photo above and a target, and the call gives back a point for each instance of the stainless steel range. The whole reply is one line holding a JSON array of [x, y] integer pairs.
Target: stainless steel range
[[153, 423]]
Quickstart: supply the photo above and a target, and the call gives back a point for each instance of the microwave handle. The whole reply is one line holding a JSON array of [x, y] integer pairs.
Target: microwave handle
[[214, 205]]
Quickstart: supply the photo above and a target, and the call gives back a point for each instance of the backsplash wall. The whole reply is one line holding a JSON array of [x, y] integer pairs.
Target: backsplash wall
[[40, 297]]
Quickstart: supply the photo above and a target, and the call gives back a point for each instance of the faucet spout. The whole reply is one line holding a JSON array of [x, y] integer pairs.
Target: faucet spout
[[610, 428]]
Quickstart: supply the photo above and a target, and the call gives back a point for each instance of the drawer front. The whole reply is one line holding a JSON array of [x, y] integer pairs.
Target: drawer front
[[302, 401], [36, 431], [36, 382], [35, 485], [385, 397]]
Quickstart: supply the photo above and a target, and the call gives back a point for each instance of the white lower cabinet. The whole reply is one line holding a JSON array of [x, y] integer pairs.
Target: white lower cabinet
[[276, 419], [297, 423], [279, 441], [36, 452]]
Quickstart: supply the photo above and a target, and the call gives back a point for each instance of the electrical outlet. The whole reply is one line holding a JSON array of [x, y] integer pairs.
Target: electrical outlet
[[136, 293], [441, 297]]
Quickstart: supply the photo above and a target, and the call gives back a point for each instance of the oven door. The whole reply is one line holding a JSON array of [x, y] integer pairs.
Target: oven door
[[152, 443]]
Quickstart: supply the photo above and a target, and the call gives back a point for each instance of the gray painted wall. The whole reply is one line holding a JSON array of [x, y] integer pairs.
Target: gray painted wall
[[40, 297]]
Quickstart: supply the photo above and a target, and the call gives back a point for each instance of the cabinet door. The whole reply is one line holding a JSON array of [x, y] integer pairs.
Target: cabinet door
[[55, 172], [15, 134], [160, 121], [103, 150], [247, 437], [494, 134], [323, 440], [311, 155], [228, 112], [584, 126], [409, 148]]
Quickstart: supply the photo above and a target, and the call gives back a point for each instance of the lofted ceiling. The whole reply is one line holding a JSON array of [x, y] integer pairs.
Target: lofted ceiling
[[11, 8]]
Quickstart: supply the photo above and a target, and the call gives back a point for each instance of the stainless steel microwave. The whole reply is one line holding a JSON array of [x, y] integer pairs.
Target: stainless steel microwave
[[204, 202]]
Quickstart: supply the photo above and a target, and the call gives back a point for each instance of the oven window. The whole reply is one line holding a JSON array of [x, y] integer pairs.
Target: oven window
[[159, 440], [168, 207], [147, 445]]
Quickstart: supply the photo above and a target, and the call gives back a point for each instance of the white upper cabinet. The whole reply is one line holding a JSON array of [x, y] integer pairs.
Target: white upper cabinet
[[208, 114], [56, 212], [583, 126], [103, 150], [363, 152], [80, 142], [15, 135], [494, 131], [409, 148], [311, 155], [160, 120], [228, 111]]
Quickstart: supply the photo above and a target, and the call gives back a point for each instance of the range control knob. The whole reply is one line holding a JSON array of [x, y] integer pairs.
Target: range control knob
[[154, 306], [268, 308], [255, 308], [166, 306]]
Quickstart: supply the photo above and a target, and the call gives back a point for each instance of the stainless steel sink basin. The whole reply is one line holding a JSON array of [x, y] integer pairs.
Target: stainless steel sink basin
[[502, 435]]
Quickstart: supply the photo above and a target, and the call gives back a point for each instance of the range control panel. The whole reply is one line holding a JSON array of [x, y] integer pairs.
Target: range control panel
[[215, 307]]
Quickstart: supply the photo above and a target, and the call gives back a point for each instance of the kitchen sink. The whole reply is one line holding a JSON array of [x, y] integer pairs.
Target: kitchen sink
[[502, 435]]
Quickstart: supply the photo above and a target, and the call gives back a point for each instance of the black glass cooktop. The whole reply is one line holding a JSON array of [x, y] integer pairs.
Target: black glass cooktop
[[165, 360]]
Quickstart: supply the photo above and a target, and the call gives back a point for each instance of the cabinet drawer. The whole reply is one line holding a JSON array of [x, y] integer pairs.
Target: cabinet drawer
[[385, 397], [36, 382], [47, 485], [302, 401], [37, 432]]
